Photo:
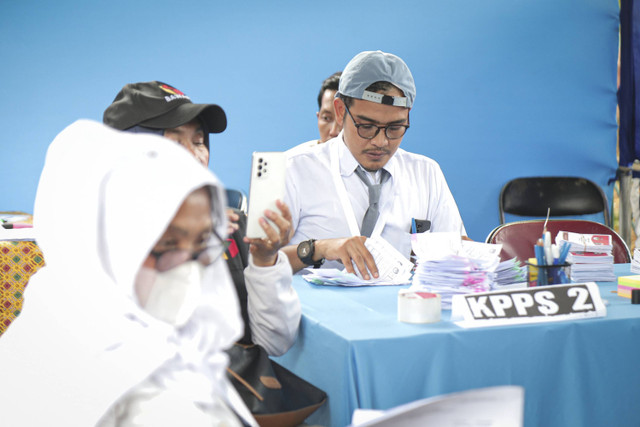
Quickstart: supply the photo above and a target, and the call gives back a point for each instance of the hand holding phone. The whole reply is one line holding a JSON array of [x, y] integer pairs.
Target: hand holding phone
[[267, 185]]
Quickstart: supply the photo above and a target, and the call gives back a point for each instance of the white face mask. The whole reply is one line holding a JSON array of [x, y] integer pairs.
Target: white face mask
[[174, 293]]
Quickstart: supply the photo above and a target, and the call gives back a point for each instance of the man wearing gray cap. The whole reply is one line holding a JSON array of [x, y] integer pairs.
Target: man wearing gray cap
[[361, 184]]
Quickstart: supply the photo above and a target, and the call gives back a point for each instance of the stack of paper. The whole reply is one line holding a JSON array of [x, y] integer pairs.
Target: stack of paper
[[590, 256], [600, 243], [509, 272], [635, 262], [10, 218], [591, 272], [23, 232], [449, 266]]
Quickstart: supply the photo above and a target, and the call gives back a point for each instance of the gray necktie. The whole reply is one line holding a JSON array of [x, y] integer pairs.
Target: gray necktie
[[372, 213]]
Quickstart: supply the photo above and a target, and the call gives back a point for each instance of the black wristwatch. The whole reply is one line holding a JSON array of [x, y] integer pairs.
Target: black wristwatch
[[306, 249]]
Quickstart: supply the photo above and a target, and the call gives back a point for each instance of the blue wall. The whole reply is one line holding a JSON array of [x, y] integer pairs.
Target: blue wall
[[506, 88]]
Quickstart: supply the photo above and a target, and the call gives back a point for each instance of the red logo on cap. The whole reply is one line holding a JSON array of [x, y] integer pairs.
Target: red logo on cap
[[171, 90]]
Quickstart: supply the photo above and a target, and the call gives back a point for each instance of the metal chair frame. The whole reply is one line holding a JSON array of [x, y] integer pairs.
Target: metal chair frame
[[565, 195]]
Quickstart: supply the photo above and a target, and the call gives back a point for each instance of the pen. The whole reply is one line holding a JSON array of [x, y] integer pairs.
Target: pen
[[539, 252], [17, 225], [544, 227], [413, 226], [564, 251], [548, 255]]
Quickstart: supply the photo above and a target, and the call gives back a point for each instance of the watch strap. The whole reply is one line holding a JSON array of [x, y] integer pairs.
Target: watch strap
[[318, 263]]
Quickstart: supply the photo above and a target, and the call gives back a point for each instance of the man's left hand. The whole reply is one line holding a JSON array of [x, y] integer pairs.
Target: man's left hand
[[265, 251]]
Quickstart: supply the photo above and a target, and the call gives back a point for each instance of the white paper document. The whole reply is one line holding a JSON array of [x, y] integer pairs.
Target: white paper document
[[393, 269], [501, 406], [335, 277], [13, 217], [392, 265], [17, 234]]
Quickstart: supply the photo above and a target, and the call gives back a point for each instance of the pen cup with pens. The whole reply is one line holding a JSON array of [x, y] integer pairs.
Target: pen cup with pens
[[543, 275], [549, 267]]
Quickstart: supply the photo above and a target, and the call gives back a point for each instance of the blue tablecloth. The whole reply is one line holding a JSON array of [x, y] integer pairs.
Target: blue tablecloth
[[575, 373]]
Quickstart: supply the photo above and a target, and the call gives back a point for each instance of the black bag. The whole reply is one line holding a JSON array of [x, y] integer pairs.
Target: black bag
[[274, 395]]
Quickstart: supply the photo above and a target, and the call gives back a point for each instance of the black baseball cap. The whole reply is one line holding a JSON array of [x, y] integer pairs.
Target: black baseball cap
[[158, 105]]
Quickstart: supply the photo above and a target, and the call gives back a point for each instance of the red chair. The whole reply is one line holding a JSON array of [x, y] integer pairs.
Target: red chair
[[518, 238]]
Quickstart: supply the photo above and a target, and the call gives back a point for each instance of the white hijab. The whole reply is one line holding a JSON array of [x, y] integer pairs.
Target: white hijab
[[82, 340]]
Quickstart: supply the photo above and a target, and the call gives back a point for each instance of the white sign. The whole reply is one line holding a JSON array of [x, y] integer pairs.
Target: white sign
[[529, 305]]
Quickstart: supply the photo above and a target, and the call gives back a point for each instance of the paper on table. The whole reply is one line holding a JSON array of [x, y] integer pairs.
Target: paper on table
[[635, 262], [435, 246], [586, 242], [17, 234], [480, 250], [438, 246], [501, 406], [392, 265], [335, 277], [13, 218]]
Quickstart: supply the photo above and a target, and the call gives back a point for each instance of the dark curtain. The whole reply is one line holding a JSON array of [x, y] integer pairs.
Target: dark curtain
[[628, 100]]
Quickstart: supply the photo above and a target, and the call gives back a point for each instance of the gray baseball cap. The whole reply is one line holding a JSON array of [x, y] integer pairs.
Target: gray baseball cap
[[374, 66]]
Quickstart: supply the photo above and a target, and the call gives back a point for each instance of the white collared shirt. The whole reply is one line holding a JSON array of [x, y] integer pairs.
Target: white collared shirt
[[273, 305], [417, 189], [304, 146]]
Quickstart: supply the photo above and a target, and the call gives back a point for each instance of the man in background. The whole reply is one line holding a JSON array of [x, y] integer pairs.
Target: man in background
[[327, 124]]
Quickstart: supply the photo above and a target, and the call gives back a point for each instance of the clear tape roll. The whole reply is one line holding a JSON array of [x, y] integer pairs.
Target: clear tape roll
[[418, 307]]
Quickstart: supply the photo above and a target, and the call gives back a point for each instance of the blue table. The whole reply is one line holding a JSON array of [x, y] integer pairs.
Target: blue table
[[575, 373]]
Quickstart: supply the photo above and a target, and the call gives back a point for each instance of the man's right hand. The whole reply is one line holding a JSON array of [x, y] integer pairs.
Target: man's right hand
[[347, 250]]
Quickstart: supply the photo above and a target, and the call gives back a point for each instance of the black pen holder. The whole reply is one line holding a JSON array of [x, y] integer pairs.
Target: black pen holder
[[543, 275]]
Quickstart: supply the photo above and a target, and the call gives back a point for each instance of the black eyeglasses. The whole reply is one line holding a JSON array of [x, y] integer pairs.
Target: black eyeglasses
[[166, 260], [370, 131]]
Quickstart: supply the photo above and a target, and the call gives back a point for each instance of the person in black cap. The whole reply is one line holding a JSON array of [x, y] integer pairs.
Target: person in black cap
[[156, 107], [261, 272]]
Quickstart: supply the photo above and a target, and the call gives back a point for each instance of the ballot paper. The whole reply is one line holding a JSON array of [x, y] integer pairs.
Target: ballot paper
[[450, 266], [592, 272], [590, 257], [585, 242], [635, 262], [335, 277], [10, 218], [510, 272], [435, 246], [393, 268], [17, 234], [392, 265], [499, 406]]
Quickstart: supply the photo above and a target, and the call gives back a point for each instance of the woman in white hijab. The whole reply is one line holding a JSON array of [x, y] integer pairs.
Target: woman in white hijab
[[127, 322]]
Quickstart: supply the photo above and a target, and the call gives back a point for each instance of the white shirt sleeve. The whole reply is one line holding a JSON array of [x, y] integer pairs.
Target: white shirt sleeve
[[273, 305]]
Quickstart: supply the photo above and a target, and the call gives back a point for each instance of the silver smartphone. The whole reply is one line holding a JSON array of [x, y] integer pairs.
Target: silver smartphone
[[267, 186]]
